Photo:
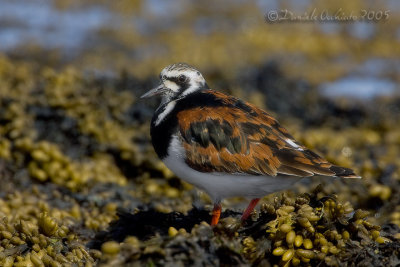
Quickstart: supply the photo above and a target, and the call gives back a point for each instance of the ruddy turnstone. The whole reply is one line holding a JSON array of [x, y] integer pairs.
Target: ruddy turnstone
[[225, 146]]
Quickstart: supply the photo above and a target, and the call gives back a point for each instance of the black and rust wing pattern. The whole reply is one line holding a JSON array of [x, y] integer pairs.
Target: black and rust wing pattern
[[237, 137]]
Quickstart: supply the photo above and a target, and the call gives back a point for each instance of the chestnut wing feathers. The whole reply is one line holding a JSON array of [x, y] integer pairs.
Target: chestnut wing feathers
[[237, 137]]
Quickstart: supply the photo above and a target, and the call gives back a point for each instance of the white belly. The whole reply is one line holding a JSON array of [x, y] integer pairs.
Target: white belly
[[222, 185]]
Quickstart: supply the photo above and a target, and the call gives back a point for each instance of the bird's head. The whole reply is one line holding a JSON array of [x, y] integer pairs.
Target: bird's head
[[176, 81]]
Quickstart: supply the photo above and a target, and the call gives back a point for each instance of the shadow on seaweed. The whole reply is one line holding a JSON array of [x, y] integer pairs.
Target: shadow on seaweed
[[146, 224]]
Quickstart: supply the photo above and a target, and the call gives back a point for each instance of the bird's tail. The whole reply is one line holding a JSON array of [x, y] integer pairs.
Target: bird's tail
[[343, 172]]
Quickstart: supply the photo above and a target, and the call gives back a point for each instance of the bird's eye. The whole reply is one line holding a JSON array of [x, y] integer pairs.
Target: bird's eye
[[182, 78]]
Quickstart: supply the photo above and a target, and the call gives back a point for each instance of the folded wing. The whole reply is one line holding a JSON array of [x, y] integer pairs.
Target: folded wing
[[237, 137]]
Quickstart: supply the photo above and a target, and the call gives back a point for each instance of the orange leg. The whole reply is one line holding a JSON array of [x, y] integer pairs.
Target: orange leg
[[249, 209], [216, 213]]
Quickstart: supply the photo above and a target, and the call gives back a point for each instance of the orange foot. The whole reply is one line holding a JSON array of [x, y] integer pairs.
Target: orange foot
[[216, 213]]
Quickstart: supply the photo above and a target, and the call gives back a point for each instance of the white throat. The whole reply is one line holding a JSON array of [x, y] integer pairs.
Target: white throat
[[166, 110]]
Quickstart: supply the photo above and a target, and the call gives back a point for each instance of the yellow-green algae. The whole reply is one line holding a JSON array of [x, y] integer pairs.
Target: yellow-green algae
[[304, 233], [70, 194], [293, 231], [34, 234]]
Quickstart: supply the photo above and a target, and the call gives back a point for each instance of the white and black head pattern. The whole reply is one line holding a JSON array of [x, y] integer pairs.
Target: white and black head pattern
[[181, 79], [176, 81]]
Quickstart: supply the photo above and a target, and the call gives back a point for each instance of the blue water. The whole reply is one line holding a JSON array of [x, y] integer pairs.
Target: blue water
[[38, 22], [363, 88]]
